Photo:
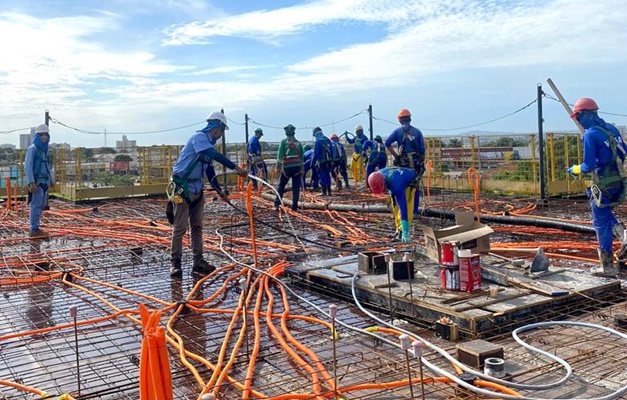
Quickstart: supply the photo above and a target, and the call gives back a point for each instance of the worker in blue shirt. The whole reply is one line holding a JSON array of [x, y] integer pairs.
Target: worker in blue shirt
[[374, 153], [603, 155], [410, 151], [39, 177], [401, 184], [323, 160], [256, 164], [186, 192], [339, 162], [308, 166], [357, 162]]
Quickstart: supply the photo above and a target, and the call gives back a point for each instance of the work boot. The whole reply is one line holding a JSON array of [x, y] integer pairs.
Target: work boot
[[339, 184], [347, 185], [202, 267], [329, 190], [607, 269], [324, 191], [38, 233], [175, 269]]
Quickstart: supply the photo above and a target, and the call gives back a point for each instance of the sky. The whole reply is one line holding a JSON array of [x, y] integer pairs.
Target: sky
[[154, 70]]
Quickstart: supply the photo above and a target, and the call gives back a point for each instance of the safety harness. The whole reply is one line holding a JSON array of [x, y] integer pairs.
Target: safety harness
[[611, 179], [40, 177], [292, 155], [178, 188], [327, 154]]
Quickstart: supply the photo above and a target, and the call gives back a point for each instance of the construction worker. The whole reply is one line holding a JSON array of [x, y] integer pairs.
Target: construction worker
[[401, 183], [338, 170], [375, 155], [323, 160], [256, 164], [603, 155], [308, 166], [290, 163], [187, 191], [410, 151], [39, 177], [357, 162]]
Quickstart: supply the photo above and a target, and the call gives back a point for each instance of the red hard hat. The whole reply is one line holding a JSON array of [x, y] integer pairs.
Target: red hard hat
[[376, 181], [403, 113], [582, 104]]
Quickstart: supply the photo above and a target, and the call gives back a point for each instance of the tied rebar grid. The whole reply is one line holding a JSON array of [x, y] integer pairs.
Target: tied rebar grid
[[135, 258]]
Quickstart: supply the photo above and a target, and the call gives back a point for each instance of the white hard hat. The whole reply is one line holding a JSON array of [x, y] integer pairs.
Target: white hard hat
[[359, 128], [219, 116], [43, 128]]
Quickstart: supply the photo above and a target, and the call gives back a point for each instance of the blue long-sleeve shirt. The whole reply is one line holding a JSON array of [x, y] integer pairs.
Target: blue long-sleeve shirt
[[254, 147], [597, 154], [377, 151], [358, 141], [36, 163], [198, 147], [397, 180], [412, 142]]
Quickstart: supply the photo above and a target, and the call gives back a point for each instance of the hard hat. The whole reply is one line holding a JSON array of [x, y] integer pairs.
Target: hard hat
[[584, 104], [259, 131], [378, 139], [217, 116], [359, 128], [43, 128], [334, 136], [316, 130], [403, 113], [376, 181], [290, 129], [307, 147]]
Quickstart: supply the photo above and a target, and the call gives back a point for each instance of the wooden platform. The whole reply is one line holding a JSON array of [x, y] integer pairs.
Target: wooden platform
[[522, 296]]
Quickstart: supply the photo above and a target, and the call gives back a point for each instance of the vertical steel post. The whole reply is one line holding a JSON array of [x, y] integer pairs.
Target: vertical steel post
[[405, 347], [333, 315], [541, 146], [47, 117], [74, 315], [370, 121], [224, 153]]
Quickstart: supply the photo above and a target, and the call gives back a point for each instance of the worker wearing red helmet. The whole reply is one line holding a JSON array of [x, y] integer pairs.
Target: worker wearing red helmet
[[402, 184], [410, 151], [603, 154]]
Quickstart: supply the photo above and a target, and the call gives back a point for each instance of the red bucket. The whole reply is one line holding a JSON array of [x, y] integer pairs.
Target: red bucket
[[448, 254]]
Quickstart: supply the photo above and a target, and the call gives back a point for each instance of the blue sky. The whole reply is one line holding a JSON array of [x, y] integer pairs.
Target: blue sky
[[141, 66]]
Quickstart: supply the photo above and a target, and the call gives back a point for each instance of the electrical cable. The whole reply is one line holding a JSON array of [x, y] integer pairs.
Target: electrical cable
[[310, 127]]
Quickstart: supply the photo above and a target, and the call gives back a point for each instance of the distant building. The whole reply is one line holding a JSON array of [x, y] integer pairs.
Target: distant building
[[26, 139], [125, 144], [64, 146]]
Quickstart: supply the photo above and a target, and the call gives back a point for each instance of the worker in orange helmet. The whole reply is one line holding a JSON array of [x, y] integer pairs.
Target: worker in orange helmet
[[410, 150], [603, 155], [401, 183]]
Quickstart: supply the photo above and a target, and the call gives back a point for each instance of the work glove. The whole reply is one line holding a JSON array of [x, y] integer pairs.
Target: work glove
[[405, 237], [574, 170], [32, 188], [397, 161], [241, 171]]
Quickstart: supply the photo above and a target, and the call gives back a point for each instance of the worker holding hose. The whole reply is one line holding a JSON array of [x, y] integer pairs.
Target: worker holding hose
[[603, 155], [410, 151], [186, 191], [357, 162], [374, 154], [39, 177], [256, 164], [402, 184]]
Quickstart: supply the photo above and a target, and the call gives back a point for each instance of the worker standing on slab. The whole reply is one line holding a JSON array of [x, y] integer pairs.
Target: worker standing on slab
[[308, 166], [290, 163], [603, 155], [402, 184], [39, 177], [374, 153], [357, 162], [187, 195], [339, 162], [256, 164], [323, 159], [410, 151]]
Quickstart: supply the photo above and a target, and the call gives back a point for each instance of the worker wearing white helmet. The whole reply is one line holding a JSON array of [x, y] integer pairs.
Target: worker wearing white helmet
[[186, 191], [39, 177]]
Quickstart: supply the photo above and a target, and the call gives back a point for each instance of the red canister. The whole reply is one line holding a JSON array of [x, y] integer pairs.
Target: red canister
[[448, 253], [469, 271]]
